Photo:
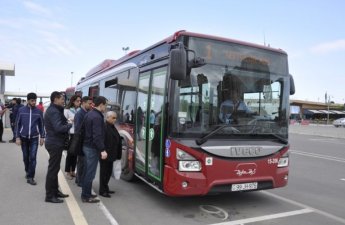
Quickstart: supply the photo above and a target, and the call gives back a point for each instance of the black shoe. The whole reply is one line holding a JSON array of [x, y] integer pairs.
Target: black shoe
[[111, 192], [90, 200], [105, 195], [54, 200], [12, 141], [59, 194], [2, 141], [31, 181], [93, 196]]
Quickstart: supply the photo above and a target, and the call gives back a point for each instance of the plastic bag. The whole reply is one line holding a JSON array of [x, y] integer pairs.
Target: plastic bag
[[117, 169]]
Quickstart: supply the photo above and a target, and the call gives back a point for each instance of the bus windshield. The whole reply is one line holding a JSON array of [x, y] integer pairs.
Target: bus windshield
[[240, 89]]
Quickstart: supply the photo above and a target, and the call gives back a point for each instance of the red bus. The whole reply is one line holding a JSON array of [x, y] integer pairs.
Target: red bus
[[200, 114]]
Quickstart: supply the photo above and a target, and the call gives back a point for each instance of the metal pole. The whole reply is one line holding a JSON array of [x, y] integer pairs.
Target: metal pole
[[328, 111]]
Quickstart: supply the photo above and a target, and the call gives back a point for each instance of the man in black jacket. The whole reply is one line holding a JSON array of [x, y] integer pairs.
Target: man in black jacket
[[113, 147], [93, 146], [57, 128]]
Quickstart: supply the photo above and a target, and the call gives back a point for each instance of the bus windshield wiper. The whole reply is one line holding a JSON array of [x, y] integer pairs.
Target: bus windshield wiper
[[205, 138], [280, 138]]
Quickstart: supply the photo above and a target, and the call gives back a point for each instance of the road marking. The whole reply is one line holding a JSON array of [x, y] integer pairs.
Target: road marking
[[74, 209], [326, 214], [343, 179], [332, 158], [267, 217], [72, 204]]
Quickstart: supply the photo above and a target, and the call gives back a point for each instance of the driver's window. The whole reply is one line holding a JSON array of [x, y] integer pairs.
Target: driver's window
[[265, 103]]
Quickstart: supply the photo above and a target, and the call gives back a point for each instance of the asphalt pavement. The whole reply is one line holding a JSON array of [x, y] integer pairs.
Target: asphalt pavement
[[314, 194], [23, 204]]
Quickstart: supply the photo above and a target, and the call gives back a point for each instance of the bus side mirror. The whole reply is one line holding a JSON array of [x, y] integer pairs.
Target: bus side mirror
[[178, 63], [292, 85]]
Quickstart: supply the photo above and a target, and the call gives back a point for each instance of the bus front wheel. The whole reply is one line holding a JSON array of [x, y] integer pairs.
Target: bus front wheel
[[127, 174]]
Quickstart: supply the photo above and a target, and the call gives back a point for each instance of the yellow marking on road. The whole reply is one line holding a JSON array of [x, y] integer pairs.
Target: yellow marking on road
[[72, 204]]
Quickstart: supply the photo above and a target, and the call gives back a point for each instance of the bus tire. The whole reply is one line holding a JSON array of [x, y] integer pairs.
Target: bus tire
[[127, 174]]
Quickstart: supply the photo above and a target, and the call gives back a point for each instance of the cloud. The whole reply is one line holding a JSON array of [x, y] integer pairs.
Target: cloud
[[337, 45], [37, 9], [13, 23], [57, 45]]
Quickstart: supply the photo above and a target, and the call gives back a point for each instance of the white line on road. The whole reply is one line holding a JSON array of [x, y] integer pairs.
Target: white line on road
[[267, 217], [326, 214], [75, 211], [343, 179], [327, 157]]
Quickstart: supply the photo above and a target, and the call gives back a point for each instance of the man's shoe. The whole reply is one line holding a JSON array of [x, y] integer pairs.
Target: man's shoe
[[2, 141], [105, 195], [111, 192], [31, 181], [12, 141], [90, 200], [54, 200], [59, 194]]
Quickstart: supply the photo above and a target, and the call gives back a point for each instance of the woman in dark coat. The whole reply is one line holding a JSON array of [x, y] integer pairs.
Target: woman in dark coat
[[113, 147]]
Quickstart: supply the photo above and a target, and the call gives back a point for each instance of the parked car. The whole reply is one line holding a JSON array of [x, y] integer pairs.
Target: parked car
[[339, 122]]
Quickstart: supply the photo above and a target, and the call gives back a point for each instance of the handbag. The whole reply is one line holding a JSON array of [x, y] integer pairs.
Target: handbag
[[66, 142], [76, 144]]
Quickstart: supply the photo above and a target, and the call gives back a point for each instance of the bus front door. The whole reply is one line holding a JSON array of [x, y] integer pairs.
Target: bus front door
[[149, 124]]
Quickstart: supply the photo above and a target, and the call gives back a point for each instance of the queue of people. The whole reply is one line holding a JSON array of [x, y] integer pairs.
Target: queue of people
[[101, 142]]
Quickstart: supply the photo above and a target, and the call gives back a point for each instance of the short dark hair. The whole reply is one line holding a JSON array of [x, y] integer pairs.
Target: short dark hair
[[86, 98], [54, 95], [31, 95], [18, 101], [99, 100]]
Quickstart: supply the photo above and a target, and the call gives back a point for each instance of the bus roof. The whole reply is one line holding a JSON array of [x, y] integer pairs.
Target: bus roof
[[110, 63]]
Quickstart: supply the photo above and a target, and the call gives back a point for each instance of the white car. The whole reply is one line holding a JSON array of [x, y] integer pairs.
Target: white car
[[339, 122]]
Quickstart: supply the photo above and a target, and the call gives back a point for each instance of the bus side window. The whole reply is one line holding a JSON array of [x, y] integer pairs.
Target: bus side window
[[111, 92], [127, 82], [94, 91]]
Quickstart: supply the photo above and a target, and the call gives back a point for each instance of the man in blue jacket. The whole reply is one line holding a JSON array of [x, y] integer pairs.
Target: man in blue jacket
[[93, 146], [29, 126], [57, 128]]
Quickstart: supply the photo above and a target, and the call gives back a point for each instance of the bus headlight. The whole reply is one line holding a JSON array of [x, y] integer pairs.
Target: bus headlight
[[187, 163], [189, 166], [283, 161]]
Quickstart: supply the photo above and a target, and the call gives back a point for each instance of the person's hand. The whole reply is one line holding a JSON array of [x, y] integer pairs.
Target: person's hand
[[104, 155], [41, 141], [18, 141]]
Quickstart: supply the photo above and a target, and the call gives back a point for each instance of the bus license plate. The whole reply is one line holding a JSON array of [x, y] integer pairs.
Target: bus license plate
[[244, 186]]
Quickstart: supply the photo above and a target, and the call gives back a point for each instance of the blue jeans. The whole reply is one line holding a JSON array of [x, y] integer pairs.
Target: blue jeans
[[29, 149], [90, 160]]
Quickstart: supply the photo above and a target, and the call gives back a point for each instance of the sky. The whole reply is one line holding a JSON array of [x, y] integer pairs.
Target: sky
[[55, 43]]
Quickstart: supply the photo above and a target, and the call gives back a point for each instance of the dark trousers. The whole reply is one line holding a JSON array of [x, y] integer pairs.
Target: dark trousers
[[106, 169], [1, 129], [52, 183], [13, 132], [80, 170], [91, 161], [71, 160], [29, 149]]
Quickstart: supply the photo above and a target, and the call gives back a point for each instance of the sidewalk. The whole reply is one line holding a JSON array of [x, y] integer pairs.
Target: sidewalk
[[23, 204]]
